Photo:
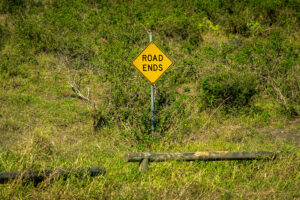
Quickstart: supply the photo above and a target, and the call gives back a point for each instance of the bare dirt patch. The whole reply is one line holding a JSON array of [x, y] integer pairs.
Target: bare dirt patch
[[290, 133]]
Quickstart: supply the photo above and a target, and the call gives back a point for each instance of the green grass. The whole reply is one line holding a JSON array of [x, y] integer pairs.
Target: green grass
[[48, 131], [43, 123]]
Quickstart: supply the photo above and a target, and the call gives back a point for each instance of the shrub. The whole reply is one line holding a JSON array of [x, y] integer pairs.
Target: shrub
[[11, 6], [2, 37], [10, 66], [231, 89], [182, 26]]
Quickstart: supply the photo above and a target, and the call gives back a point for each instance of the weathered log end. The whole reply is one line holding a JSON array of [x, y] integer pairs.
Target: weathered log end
[[126, 157]]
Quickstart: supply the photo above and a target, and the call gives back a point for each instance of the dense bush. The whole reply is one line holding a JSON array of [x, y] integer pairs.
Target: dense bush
[[11, 6], [229, 88]]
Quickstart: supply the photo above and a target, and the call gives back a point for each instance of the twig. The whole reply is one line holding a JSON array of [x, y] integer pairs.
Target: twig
[[76, 84], [207, 121], [279, 93]]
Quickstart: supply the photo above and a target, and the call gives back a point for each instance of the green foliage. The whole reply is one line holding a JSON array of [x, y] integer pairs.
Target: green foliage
[[10, 66], [12, 6], [236, 17], [179, 24], [3, 36], [229, 88]]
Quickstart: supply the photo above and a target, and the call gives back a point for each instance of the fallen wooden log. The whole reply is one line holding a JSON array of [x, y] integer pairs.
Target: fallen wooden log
[[37, 177], [145, 157]]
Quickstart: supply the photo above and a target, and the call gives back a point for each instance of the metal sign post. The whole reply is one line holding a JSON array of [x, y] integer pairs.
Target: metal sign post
[[152, 97], [152, 63]]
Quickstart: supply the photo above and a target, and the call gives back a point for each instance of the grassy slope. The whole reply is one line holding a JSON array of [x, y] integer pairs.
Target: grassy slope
[[44, 125]]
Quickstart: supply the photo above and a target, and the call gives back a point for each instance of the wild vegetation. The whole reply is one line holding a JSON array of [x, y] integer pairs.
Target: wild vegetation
[[70, 97]]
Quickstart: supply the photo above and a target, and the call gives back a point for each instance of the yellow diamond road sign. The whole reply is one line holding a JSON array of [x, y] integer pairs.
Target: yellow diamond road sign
[[152, 63]]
